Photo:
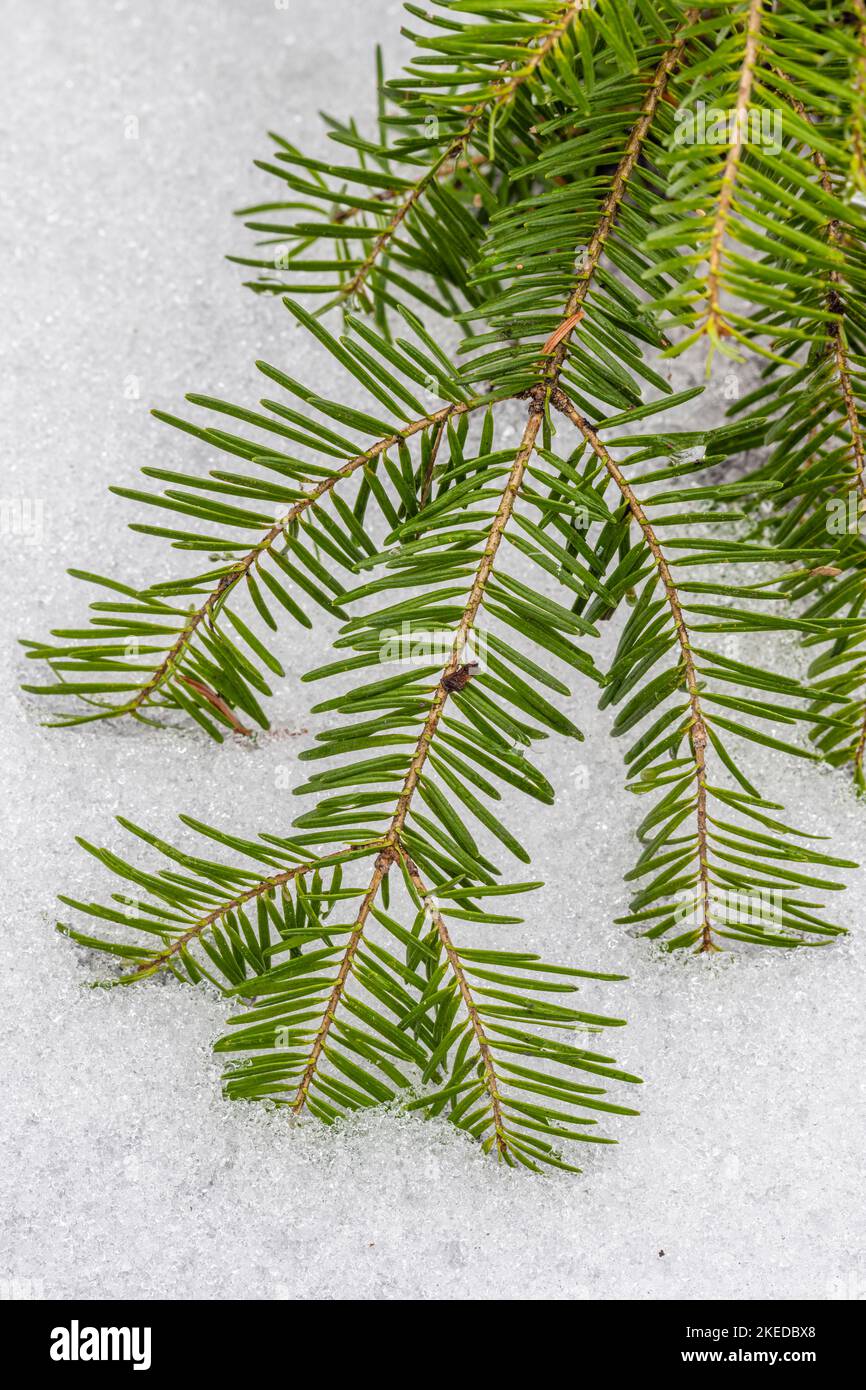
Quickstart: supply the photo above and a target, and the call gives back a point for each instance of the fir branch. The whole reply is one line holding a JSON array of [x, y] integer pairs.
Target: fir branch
[[836, 309], [467, 621], [261, 889], [205, 611], [763, 196], [401, 200], [858, 142], [512, 244], [202, 617], [384, 860], [539, 53], [442, 172], [457, 152], [697, 731], [614, 197], [715, 323], [393, 840], [719, 859], [819, 448], [343, 1014], [489, 1069]]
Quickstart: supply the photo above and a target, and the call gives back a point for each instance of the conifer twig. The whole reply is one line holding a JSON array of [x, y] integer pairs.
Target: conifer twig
[[697, 726], [504, 91], [392, 839], [490, 1077], [258, 890], [715, 323], [229, 581]]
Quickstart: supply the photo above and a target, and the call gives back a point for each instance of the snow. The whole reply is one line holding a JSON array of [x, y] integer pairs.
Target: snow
[[124, 1172]]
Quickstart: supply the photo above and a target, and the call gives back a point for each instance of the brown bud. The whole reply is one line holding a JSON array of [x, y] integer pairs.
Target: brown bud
[[455, 680]]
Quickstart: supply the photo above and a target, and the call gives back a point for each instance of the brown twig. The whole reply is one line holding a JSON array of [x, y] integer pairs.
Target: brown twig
[[561, 332], [217, 701]]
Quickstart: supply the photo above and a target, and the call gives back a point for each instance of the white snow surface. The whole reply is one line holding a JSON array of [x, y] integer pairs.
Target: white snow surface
[[124, 1172]]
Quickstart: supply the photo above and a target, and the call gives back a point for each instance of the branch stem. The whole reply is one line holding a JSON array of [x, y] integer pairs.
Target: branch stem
[[166, 670], [610, 207], [490, 1077], [503, 92], [384, 860], [698, 737], [265, 885], [715, 323], [392, 846], [470, 612]]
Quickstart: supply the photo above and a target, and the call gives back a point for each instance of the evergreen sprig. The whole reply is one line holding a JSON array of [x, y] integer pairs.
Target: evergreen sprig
[[529, 187]]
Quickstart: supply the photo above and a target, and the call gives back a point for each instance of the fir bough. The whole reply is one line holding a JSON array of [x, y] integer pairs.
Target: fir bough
[[538, 180]]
